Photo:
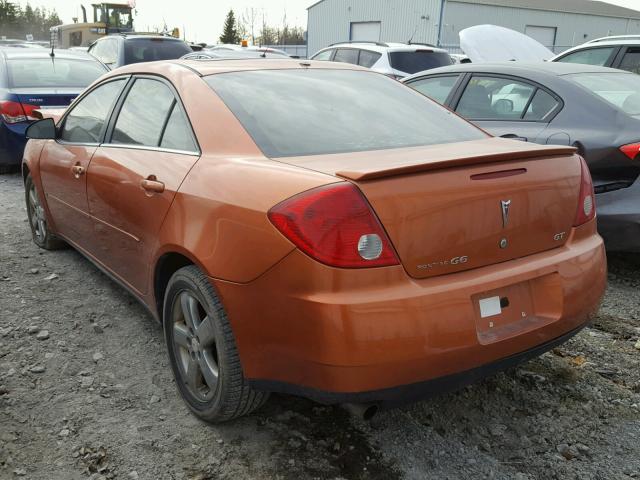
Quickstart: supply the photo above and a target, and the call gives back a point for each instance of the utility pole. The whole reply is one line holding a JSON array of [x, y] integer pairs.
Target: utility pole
[[442, 6]]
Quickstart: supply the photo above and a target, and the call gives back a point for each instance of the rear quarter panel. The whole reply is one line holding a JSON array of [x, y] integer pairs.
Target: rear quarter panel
[[219, 215]]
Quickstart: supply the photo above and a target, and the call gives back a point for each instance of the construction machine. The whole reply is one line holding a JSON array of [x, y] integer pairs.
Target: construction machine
[[108, 18]]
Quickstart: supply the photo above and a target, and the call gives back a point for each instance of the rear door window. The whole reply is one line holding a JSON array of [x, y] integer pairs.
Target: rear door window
[[590, 56], [177, 134], [631, 60], [346, 55], [143, 114], [86, 121], [368, 58], [326, 55], [436, 88], [414, 62], [493, 98], [542, 107]]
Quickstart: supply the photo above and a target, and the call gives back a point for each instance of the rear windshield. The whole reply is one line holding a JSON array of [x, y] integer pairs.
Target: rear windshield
[[414, 62], [150, 49], [620, 89], [47, 72], [313, 112]]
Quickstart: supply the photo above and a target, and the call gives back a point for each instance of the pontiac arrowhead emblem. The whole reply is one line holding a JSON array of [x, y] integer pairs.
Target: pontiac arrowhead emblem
[[505, 204]]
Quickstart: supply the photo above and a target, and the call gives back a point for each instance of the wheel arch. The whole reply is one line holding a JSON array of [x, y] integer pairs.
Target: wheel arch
[[169, 262]]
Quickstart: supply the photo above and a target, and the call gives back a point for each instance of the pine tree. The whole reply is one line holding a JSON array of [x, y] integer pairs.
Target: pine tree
[[230, 30]]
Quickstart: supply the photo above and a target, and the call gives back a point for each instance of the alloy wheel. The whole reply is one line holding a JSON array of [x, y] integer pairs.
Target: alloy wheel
[[195, 347], [37, 216]]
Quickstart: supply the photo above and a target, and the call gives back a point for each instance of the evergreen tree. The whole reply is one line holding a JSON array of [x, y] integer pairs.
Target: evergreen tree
[[230, 30], [16, 22]]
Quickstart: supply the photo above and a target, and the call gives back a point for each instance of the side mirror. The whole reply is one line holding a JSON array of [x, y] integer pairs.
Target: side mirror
[[44, 129]]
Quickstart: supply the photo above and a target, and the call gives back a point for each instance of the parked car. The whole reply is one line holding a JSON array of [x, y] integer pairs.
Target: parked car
[[595, 109], [251, 48], [123, 49], [396, 60], [31, 79], [622, 52], [295, 237]]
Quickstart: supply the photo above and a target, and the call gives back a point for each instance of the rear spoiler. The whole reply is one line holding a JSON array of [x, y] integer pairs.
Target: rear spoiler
[[452, 155], [55, 113]]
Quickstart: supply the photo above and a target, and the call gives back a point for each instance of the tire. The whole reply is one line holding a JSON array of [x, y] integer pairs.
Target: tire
[[40, 232], [202, 350]]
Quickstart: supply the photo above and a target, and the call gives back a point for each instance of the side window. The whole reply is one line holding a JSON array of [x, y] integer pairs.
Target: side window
[[143, 113], [631, 60], [86, 121], [541, 108], [177, 133], [589, 56], [346, 55], [489, 98], [105, 51], [368, 58], [110, 52], [326, 55], [436, 88]]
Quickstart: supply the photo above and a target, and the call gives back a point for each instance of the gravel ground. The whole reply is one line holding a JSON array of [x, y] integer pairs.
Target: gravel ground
[[86, 392]]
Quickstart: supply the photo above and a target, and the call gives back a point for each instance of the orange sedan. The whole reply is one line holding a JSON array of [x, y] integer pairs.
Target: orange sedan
[[317, 229]]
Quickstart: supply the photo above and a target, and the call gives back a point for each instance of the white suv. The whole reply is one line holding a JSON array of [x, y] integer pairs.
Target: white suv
[[622, 52], [394, 59]]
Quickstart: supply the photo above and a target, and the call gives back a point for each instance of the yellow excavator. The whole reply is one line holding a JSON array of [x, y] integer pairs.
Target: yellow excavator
[[108, 18]]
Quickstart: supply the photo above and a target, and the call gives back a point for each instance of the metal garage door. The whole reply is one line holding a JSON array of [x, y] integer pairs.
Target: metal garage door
[[545, 35], [365, 31]]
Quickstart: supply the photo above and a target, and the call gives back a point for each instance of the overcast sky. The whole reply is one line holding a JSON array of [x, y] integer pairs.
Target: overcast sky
[[203, 19]]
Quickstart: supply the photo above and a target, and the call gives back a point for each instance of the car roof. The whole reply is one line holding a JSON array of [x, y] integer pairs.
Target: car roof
[[11, 53], [387, 46], [599, 43], [520, 68], [214, 66], [136, 36]]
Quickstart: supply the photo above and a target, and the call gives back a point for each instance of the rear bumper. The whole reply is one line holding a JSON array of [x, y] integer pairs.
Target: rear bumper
[[619, 218], [403, 394], [379, 335], [12, 143]]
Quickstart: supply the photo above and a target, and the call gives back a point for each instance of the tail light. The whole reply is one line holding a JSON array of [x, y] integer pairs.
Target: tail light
[[336, 226], [632, 150], [16, 112], [586, 205]]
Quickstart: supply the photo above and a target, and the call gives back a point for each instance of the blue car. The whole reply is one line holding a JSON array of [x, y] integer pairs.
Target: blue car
[[32, 79]]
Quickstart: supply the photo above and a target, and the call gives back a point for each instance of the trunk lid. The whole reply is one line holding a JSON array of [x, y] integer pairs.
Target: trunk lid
[[455, 207], [46, 98]]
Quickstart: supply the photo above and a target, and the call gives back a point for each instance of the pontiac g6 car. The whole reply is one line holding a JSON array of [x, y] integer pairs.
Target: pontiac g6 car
[[316, 228]]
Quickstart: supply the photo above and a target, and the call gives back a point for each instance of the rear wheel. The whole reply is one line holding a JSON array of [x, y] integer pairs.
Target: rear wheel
[[203, 352], [38, 220]]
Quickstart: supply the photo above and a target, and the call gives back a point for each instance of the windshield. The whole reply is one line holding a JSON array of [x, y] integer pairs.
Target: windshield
[[313, 112], [151, 49], [414, 62], [620, 89], [50, 73]]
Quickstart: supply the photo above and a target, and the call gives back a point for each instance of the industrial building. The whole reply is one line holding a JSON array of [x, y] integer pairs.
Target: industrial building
[[557, 24]]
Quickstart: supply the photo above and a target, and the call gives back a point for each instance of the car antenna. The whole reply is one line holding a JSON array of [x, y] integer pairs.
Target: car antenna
[[413, 34]]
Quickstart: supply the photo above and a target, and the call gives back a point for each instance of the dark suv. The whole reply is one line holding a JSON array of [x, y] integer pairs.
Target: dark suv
[[118, 50]]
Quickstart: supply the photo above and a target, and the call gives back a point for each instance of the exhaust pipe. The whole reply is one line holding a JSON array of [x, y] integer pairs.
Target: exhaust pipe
[[363, 411]]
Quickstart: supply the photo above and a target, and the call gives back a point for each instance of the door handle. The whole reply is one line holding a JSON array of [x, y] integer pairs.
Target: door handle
[[77, 170], [151, 184]]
